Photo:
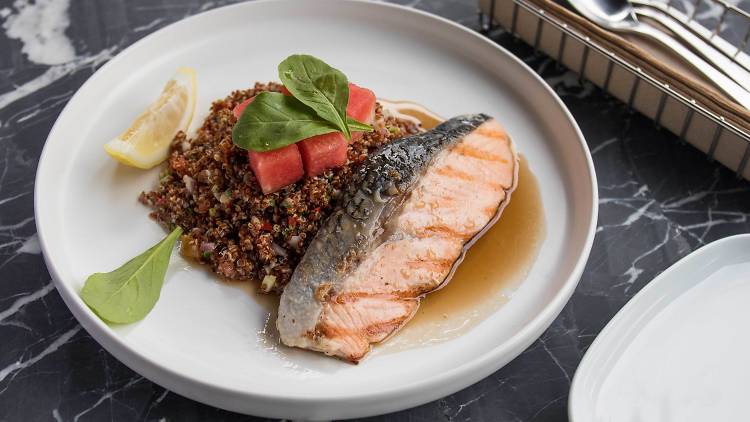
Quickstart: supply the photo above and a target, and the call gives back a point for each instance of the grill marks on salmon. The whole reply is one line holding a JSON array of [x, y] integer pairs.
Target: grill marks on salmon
[[417, 205]]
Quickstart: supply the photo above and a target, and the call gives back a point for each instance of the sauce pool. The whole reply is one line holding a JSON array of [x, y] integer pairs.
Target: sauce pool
[[486, 279], [492, 268], [411, 111]]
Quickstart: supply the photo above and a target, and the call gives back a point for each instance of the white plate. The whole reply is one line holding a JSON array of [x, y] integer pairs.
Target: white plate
[[678, 351], [201, 340]]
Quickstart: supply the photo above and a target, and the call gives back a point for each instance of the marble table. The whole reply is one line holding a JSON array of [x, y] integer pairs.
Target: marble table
[[659, 200]]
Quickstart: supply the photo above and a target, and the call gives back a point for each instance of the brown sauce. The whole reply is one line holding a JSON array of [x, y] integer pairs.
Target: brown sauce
[[493, 268], [427, 118], [269, 302], [486, 279]]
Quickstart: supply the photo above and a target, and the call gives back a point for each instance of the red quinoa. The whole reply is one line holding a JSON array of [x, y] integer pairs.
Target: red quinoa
[[209, 190]]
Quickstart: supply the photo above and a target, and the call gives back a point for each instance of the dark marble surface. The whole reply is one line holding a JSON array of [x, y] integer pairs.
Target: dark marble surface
[[659, 200]]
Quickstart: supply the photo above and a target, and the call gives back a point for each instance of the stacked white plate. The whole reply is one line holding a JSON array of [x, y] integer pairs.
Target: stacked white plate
[[679, 350]]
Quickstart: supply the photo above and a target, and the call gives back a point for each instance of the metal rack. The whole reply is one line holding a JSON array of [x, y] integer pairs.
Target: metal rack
[[724, 129]]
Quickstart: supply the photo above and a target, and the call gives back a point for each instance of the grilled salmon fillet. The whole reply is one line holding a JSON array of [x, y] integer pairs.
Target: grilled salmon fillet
[[414, 208]]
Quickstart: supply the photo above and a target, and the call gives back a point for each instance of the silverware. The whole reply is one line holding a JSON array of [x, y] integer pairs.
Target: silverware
[[618, 15], [672, 18], [705, 50], [734, 52]]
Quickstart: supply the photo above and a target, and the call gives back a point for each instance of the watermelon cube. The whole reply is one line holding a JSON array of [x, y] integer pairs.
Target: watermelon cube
[[312, 156], [361, 104], [278, 168], [239, 108], [322, 152]]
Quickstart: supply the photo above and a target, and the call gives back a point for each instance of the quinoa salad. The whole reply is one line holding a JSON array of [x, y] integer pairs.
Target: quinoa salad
[[209, 189]]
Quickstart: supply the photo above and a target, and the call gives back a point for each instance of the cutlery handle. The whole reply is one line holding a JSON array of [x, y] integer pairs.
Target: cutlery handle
[[719, 79], [704, 49]]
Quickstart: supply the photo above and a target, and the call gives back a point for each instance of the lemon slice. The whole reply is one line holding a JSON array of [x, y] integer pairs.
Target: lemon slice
[[146, 142]]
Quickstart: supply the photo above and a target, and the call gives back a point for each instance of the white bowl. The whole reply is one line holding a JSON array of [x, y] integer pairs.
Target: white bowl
[[201, 340]]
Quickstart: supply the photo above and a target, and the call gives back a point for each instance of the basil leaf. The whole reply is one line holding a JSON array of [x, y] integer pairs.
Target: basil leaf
[[319, 86], [274, 120], [128, 293], [356, 126]]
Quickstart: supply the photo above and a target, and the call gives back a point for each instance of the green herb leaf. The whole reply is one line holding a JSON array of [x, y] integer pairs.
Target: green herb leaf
[[317, 106], [319, 86], [128, 293], [356, 126], [274, 120]]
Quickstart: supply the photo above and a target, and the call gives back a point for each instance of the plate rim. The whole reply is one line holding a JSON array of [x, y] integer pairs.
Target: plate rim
[[577, 405], [472, 371]]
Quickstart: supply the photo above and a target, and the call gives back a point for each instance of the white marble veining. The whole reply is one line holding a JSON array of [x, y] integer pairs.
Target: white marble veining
[[567, 83], [25, 299], [30, 245], [55, 73], [22, 364], [108, 395], [40, 26], [149, 26]]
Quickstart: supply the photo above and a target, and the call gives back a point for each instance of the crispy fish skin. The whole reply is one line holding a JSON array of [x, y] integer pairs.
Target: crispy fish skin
[[362, 276]]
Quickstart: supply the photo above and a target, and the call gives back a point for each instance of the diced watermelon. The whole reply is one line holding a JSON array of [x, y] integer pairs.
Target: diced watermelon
[[323, 152], [361, 104], [312, 156], [278, 168], [273, 169], [239, 108]]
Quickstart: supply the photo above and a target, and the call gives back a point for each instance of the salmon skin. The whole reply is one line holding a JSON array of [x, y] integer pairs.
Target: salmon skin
[[412, 210]]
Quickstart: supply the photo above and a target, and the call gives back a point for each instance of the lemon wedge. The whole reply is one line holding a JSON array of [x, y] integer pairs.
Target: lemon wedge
[[146, 142]]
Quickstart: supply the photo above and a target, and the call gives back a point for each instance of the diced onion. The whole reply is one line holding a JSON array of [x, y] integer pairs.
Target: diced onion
[[189, 183], [268, 282], [294, 241], [278, 250]]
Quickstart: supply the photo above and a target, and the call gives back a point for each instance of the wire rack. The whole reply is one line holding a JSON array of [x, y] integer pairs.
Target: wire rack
[[722, 129]]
